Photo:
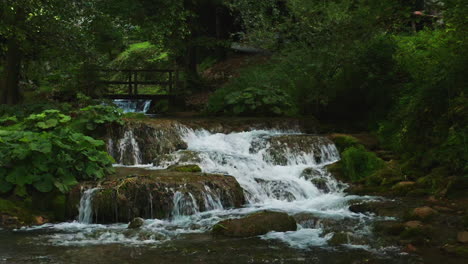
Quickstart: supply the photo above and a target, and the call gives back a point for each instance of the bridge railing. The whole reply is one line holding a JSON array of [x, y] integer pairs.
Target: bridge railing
[[129, 81]]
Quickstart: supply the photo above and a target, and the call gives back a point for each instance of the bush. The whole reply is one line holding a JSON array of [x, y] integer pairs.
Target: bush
[[44, 153], [265, 101], [358, 163]]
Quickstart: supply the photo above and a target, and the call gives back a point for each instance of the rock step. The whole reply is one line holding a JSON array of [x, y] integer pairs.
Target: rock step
[[150, 194]]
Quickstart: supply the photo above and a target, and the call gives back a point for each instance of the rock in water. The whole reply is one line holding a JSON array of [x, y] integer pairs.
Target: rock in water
[[256, 224], [136, 223], [462, 237], [161, 194]]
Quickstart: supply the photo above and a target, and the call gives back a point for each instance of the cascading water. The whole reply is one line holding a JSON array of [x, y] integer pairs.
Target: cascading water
[[291, 178], [133, 105], [128, 148], [86, 207]]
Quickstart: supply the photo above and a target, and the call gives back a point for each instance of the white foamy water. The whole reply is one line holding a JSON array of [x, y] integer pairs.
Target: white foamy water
[[267, 186], [133, 105], [86, 207]]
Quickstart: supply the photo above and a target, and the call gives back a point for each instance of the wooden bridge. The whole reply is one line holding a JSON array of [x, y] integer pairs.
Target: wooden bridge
[[127, 83]]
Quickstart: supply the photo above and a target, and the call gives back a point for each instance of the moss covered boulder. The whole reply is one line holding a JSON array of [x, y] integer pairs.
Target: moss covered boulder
[[256, 224], [160, 194], [279, 148]]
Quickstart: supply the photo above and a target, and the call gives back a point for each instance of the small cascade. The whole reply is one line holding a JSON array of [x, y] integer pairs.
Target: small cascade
[[268, 164], [129, 149], [86, 206], [184, 204], [133, 105], [212, 200]]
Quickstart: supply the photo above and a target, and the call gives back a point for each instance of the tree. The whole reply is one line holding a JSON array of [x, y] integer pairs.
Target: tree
[[47, 30]]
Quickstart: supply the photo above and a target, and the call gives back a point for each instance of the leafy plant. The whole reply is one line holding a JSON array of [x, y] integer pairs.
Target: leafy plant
[[43, 152], [253, 101], [94, 116]]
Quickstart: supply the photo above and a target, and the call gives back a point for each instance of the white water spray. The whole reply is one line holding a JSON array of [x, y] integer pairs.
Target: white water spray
[[86, 206]]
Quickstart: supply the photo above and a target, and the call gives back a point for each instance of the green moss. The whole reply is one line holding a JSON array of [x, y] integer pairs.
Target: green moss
[[358, 163], [59, 207], [343, 142], [17, 209], [185, 168]]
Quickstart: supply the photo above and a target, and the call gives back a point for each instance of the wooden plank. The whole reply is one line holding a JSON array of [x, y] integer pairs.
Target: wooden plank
[[130, 70], [140, 96], [136, 82]]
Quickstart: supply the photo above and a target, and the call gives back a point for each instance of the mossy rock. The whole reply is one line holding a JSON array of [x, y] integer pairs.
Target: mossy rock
[[391, 228], [343, 141], [279, 148], [185, 168], [14, 214], [136, 192], [256, 224], [336, 170]]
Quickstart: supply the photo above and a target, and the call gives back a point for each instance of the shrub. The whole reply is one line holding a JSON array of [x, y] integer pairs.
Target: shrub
[[43, 152], [266, 101], [358, 163]]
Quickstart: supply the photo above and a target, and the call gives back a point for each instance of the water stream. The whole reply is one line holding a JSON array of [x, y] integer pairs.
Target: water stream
[[133, 105], [268, 183]]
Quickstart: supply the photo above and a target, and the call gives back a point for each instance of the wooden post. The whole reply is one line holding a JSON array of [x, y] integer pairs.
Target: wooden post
[[135, 84], [170, 83], [130, 83]]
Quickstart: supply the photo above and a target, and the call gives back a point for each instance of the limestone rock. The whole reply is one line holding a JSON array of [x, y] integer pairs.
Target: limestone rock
[[136, 192], [256, 224], [136, 223], [280, 147]]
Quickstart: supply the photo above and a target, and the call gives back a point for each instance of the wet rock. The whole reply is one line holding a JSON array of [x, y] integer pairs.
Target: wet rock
[[139, 142], [336, 170], [389, 228], [462, 237], [150, 194], [413, 224], [456, 250], [341, 238], [179, 157], [136, 223], [40, 220], [404, 184], [424, 212], [185, 168], [316, 177], [282, 147], [362, 208], [256, 224], [410, 248], [443, 209]]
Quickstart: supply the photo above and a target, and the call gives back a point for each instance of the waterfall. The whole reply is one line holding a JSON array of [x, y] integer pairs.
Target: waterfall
[[277, 170], [128, 147], [133, 105], [86, 206], [212, 200], [266, 173], [184, 204]]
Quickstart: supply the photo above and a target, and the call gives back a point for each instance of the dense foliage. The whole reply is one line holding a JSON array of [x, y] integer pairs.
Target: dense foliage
[[48, 151]]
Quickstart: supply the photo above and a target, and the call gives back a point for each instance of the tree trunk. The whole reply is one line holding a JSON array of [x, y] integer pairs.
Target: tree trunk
[[11, 93]]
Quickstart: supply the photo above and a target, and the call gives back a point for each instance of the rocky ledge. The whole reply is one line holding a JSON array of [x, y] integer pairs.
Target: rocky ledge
[[134, 192], [256, 224]]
